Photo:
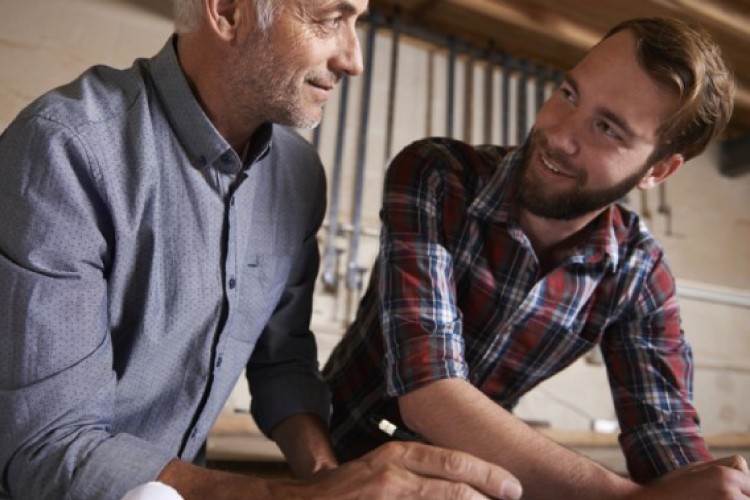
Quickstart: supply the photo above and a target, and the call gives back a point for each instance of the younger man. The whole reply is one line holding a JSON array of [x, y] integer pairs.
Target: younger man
[[500, 267]]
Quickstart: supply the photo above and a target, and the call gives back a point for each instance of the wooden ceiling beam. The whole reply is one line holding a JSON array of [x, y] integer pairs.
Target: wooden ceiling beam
[[557, 33], [718, 14], [536, 21]]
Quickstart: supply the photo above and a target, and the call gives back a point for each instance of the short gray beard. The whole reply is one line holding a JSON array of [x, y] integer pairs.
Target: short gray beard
[[267, 88]]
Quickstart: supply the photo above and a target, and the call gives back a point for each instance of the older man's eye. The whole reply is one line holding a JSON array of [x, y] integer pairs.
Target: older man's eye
[[331, 24]]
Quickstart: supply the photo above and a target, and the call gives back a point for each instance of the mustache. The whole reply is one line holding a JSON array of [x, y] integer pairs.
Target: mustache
[[328, 79], [540, 143]]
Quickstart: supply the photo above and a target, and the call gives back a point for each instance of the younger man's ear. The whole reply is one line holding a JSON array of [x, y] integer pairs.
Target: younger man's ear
[[660, 171], [223, 16]]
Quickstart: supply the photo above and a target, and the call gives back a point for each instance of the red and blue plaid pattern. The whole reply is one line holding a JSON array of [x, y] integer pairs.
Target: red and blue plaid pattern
[[458, 292]]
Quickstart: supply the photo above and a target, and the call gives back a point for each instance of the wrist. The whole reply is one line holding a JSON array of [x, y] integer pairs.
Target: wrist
[[319, 465], [626, 489], [290, 489], [325, 464]]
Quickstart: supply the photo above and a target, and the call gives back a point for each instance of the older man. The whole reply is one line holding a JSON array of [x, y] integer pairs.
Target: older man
[[157, 238]]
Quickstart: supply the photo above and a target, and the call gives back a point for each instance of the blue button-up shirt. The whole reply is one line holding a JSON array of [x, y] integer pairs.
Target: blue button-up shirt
[[143, 266]]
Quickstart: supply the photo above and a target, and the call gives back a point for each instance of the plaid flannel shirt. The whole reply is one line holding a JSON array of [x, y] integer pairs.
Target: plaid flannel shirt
[[457, 292]]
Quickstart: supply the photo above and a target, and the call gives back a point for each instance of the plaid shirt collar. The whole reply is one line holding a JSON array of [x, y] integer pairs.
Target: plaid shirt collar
[[495, 203]]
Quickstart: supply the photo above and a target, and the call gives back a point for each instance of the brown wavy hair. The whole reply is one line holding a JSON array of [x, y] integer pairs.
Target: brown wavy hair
[[685, 58]]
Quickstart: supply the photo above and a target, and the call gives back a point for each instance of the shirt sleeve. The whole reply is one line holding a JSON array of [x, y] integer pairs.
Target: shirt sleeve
[[56, 378], [421, 322], [283, 373], [650, 370]]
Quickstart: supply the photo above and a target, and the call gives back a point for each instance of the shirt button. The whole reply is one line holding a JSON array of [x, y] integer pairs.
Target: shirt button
[[232, 283], [231, 202], [218, 362], [193, 433]]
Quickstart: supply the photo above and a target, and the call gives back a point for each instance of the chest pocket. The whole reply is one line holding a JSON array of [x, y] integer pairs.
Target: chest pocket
[[261, 285]]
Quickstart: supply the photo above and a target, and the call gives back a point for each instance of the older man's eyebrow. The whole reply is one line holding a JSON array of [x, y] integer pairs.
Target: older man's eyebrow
[[350, 9]]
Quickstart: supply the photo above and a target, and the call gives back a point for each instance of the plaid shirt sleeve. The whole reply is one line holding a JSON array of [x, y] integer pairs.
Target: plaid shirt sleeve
[[420, 319], [650, 371]]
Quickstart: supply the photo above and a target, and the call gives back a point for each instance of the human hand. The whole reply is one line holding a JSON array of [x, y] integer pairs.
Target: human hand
[[724, 478], [413, 470], [736, 462]]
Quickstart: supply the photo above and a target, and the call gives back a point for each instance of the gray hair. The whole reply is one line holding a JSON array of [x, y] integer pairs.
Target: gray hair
[[188, 14]]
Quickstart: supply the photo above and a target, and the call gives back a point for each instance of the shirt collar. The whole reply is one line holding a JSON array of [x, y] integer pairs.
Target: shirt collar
[[605, 241], [260, 144], [203, 144], [495, 203]]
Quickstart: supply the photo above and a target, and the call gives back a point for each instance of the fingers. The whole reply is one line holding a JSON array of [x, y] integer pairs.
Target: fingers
[[455, 466], [738, 462], [730, 476], [432, 489]]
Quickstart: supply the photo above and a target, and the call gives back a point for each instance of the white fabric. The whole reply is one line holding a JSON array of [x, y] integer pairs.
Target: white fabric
[[153, 491]]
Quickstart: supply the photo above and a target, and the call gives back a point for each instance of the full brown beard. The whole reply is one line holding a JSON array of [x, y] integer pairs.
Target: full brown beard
[[572, 203]]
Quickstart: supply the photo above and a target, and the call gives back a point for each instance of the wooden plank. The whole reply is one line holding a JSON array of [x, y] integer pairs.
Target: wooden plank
[[239, 426]]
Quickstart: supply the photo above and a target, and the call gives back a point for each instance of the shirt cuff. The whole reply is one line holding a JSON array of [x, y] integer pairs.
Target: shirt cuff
[[653, 450], [424, 359], [117, 466], [280, 398]]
